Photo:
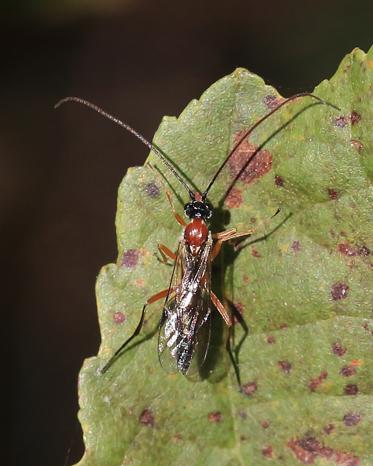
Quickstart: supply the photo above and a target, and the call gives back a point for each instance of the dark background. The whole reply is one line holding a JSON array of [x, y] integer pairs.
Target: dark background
[[60, 169]]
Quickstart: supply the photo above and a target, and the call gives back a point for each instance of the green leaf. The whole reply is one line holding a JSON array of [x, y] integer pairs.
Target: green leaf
[[303, 283]]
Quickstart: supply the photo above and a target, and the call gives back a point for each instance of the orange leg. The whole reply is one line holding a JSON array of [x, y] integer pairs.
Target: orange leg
[[118, 352], [226, 236], [158, 296], [166, 252], [221, 309]]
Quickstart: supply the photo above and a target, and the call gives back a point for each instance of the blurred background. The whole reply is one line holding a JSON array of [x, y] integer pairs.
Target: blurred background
[[60, 170]]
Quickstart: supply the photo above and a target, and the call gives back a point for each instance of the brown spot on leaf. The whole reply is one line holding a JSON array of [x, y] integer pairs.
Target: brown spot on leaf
[[351, 389], [346, 459], [339, 291], [119, 317], [152, 190], [354, 117], [248, 163], [363, 251], [130, 258], [271, 339], [347, 371], [147, 418], [295, 246], [308, 449], [333, 194], [234, 199], [328, 429], [347, 249], [356, 144], [351, 419], [338, 349], [304, 449], [265, 424], [215, 416], [267, 451], [313, 384], [279, 181], [367, 328], [285, 366], [255, 253], [249, 388], [271, 101]]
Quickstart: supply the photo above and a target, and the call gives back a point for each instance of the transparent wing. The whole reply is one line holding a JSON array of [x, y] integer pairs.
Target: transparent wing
[[185, 326]]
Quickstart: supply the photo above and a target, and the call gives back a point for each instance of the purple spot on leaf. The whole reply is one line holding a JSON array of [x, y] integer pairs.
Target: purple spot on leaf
[[295, 246], [333, 194], [271, 101], [147, 418], [338, 349], [119, 317], [130, 258], [347, 371], [249, 388], [152, 190], [341, 121], [215, 416], [355, 117], [363, 251], [351, 419], [285, 366], [339, 291], [279, 181], [351, 389]]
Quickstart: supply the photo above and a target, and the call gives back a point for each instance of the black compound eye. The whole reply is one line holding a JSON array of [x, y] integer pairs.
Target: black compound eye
[[197, 209]]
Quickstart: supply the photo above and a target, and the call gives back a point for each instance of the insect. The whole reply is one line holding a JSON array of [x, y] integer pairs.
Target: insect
[[185, 323]]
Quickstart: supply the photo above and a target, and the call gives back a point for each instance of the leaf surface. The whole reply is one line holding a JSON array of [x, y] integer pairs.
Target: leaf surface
[[303, 283]]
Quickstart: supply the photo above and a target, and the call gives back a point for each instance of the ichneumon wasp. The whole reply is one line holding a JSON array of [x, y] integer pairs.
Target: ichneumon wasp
[[185, 322]]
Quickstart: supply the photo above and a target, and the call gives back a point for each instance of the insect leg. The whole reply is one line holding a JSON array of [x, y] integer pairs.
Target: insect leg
[[160, 295], [166, 252], [221, 309], [226, 236], [117, 353]]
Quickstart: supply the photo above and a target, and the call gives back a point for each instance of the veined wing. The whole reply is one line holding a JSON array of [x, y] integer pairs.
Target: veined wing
[[185, 326]]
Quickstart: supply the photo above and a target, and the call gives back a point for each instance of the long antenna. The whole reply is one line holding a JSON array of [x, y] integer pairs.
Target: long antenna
[[250, 130], [157, 150]]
